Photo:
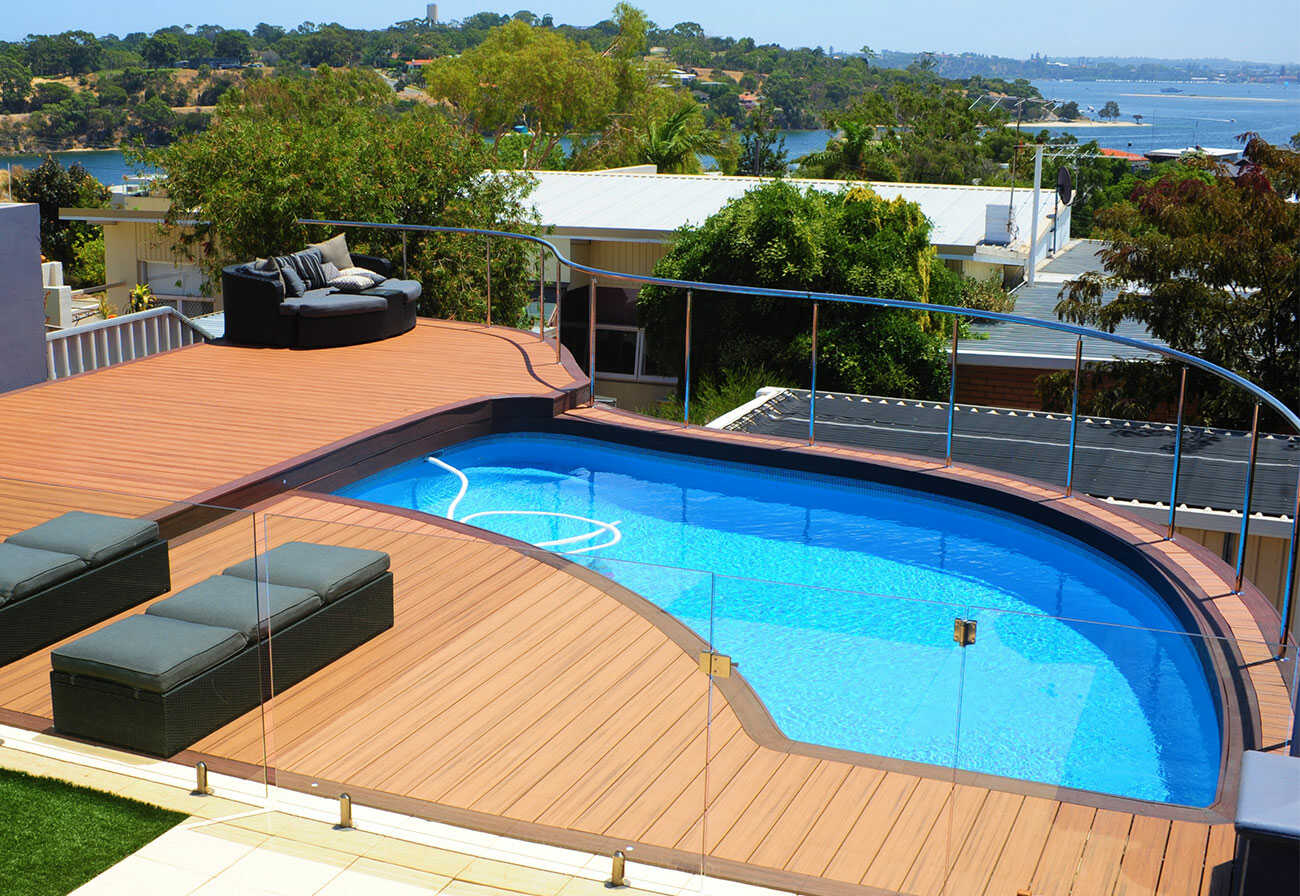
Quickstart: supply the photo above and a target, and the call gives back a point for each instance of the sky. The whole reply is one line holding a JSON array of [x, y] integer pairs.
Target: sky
[[1256, 30]]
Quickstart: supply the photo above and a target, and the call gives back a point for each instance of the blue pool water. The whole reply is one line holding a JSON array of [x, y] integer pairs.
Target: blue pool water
[[838, 597]]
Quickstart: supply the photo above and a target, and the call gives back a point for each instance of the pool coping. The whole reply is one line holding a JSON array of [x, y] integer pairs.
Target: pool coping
[[1238, 706]]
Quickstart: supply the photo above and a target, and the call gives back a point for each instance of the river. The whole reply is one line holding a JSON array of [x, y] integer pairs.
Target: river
[[1202, 113]]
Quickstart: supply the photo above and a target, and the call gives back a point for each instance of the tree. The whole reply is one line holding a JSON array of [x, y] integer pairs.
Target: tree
[[1068, 111], [233, 45], [15, 83], [51, 186], [780, 236], [1110, 111], [1209, 262], [154, 121], [674, 144], [526, 75], [335, 145], [762, 149], [161, 51]]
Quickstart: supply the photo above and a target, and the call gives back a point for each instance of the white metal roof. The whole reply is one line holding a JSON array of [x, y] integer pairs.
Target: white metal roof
[[649, 207]]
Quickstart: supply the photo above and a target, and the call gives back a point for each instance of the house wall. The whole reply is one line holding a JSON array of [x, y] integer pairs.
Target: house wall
[[614, 255], [127, 244], [1013, 387], [22, 297]]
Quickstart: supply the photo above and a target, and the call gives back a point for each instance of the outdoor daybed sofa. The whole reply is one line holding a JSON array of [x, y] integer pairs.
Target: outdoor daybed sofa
[[161, 680], [319, 297], [73, 571]]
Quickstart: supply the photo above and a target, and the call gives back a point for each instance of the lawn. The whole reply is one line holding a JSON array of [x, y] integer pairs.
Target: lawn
[[57, 836]]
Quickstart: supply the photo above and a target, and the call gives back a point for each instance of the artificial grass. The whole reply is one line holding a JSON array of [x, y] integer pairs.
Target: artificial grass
[[56, 836]]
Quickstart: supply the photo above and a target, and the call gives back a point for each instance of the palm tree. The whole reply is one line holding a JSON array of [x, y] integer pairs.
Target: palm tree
[[674, 145]]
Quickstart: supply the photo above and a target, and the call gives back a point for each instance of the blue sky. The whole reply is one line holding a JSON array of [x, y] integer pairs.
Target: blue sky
[[1263, 30]]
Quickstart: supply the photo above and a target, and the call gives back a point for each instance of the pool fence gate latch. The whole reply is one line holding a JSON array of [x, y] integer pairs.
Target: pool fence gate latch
[[201, 787], [963, 631], [716, 664], [618, 870], [345, 813]]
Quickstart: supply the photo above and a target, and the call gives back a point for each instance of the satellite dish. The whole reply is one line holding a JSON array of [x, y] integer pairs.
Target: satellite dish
[[1064, 185]]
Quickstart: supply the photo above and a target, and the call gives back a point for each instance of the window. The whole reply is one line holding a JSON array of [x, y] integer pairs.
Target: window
[[620, 355]]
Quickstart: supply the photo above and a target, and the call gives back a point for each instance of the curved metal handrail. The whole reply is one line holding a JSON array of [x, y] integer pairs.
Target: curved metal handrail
[[1262, 396]]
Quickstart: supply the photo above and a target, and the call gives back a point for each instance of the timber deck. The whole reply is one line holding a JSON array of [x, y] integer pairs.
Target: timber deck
[[519, 695]]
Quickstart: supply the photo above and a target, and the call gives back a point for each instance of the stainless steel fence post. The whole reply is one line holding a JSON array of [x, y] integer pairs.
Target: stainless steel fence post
[[559, 321], [1074, 417], [591, 343], [812, 393], [1288, 589], [541, 293], [487, 240], [1178, 454], [403, 254], [952, 389], [1245, 503], [686, 404]]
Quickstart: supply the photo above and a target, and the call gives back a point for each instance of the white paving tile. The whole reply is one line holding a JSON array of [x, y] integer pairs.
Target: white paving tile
[[138, 875], [196, 849], [299, 872]]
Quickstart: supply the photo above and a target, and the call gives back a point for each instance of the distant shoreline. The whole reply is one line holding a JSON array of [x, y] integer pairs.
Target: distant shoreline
[[1078, 123]]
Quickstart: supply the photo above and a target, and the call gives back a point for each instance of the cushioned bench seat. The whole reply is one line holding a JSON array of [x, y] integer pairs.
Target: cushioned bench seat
[[230, 602], [328, 303], [1268, 823], [73, 571], [161, 680]]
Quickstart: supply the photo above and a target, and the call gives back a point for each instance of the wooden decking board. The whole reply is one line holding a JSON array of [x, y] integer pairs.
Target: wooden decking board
[[840, 815], [946, 840], [777, 845], [1059, 860], [1182, 868], [1140, 870], [512, 686], [871, 832], [907, 836], [1099, 865], [1216, 876]]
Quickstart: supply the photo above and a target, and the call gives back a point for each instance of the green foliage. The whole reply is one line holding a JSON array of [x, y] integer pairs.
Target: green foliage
[[1110, 111], [87, 260], [58, 836], [761, 150], [141, 298], [15, 83], [1209, 262], [334, 145], [777, 235], [715, 395], [674, 144], [51, 186]]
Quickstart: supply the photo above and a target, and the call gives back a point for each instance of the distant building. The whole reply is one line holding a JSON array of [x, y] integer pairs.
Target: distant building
[[750, 100], [418, 63], [1218, 154], [431, 13]]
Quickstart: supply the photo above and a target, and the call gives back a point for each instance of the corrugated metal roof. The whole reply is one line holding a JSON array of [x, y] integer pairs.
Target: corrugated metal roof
[[652, 206]]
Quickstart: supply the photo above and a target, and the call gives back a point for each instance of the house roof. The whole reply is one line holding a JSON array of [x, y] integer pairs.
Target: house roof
[[645, 207], [1125, 460]]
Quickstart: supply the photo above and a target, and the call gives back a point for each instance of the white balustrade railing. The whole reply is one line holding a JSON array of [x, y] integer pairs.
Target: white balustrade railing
[[103, 343]]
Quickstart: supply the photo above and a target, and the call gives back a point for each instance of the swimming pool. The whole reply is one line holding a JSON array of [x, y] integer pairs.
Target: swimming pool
[[838, 598]]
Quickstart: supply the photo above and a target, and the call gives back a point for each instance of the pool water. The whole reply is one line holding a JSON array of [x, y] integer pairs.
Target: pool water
[[838, 599]]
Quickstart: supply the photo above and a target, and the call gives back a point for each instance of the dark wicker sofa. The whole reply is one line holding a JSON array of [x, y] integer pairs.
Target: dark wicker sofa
[[259, 313], [73, 571], [159, 681]]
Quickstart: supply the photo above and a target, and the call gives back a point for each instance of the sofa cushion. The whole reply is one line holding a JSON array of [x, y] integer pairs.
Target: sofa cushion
[[335, 251], [93, 537], [294, 285], [149, 653], [307, 262], [408, 289], [336, 304], [24, 571], [232, 602], [328, 570]]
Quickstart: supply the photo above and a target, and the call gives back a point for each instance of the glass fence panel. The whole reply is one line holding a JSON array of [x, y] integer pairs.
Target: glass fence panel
[[1121, 741], [102, 589], [840, 732], [483, 683]]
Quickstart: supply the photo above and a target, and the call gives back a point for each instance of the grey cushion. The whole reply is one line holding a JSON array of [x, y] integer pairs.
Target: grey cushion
[[328, 570], [24, 571], [352, 283], [307, 262], [150, 653], [231, 602], [335, 251], [337, 304], [93, 537], [1268, 801], [294, 285], [408, 289]]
